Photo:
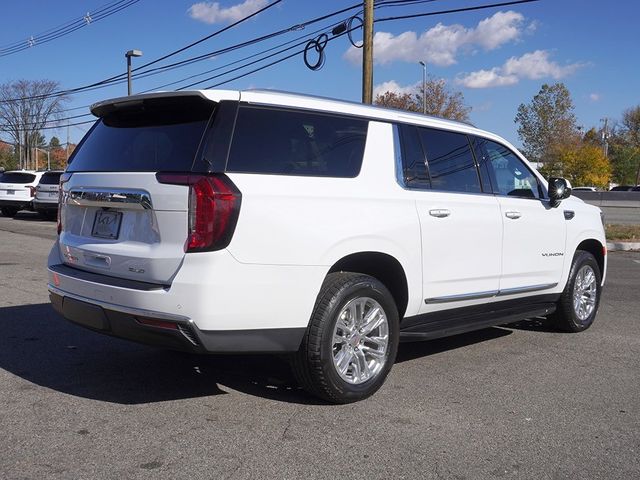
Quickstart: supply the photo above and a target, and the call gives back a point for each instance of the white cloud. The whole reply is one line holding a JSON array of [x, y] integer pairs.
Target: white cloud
[[532, 66], [441, 44], [393, 86], [212, 12], [594, 97]]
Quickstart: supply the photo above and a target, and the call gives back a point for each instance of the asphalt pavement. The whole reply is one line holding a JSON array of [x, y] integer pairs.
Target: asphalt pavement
[[521, 401]]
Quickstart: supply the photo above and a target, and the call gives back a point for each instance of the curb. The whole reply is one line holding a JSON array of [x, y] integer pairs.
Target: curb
[[622, 246]]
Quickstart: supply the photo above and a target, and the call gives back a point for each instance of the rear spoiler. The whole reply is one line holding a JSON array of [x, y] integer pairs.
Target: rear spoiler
[[106, 107]]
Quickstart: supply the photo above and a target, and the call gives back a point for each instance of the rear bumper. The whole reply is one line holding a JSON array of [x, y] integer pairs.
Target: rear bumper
[[45, 206], [172, 332], [20, 204]]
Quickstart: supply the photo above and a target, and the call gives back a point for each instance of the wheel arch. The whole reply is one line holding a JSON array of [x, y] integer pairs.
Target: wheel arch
[[595, 248], [386, 268]]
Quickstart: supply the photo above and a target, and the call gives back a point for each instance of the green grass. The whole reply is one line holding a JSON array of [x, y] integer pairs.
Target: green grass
[[627, 233]]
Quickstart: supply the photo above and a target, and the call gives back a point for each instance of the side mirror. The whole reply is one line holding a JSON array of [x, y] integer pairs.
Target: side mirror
[[559, 189]]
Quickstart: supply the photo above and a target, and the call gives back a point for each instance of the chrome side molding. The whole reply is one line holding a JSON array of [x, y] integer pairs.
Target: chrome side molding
[[489, 294]]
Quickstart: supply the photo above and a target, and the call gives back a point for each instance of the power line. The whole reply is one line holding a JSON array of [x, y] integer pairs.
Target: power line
[[118, 77], [66, 28], [254, 61], [456, 10]]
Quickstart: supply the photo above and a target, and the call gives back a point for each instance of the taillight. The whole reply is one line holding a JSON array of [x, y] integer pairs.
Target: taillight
[[32, 191], [214, 206], [64, 178]]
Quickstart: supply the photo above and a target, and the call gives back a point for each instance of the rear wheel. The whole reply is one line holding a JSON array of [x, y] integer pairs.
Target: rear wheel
[[352, 339], [9, 211], [578, 305]]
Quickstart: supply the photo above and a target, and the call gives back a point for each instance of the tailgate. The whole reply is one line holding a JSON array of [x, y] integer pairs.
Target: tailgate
[[124, 224]]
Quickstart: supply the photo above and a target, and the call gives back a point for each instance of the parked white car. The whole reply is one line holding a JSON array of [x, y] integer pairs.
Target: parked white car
[[17, 190], [258, 221]]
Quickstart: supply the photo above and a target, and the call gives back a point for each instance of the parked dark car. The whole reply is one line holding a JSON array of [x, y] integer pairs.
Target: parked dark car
[[622, 188]]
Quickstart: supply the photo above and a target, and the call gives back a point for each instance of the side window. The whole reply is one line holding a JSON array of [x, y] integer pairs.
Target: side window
[[510, 175], [450, 161], [291, 142], [414, 167]]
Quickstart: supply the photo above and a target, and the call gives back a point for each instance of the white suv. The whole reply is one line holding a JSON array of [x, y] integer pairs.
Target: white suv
[[17, 190], [258, 221]]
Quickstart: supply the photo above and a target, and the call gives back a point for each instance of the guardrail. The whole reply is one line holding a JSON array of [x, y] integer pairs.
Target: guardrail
[[610, 199]]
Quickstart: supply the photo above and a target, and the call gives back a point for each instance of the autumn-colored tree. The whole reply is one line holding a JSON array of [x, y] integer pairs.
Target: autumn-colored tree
[[440, 101], [547, 124], [585, 165], [7, 156]]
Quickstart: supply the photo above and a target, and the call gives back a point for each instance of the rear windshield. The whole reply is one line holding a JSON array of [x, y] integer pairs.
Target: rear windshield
[[148, 136], [289, 142], [17, 177], [50, 178]]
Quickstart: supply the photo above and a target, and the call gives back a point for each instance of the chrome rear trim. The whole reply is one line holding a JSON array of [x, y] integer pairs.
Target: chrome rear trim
[[108, 198]]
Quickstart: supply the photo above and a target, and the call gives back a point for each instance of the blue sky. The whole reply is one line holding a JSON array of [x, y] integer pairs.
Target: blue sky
[[498, 58]]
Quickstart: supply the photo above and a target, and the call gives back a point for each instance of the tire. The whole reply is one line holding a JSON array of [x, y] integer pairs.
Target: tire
[[48, 215], [332, 341], [9, 211], [584, 283]]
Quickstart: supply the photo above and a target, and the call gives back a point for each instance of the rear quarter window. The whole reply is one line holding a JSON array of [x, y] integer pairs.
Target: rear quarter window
[[50, 178], [292, 142]]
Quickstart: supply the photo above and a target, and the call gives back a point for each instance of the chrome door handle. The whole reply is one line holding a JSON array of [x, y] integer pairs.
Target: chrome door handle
[[514, 215], [439, 212]]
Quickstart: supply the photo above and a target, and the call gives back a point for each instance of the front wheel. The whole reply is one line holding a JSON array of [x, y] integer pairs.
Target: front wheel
[[352, 339], [580, 299]]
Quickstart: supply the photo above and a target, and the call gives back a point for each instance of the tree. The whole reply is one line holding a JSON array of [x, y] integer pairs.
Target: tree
[[7, 156], [26, 107], [547, 123], [584, 164], [631, 130], [440, 101]]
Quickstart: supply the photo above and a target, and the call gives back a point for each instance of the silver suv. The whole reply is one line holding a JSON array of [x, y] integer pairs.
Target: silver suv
[[45, 201]]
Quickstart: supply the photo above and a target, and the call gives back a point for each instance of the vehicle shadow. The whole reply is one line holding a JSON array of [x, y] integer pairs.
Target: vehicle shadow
[[28, 216], [41, 347]]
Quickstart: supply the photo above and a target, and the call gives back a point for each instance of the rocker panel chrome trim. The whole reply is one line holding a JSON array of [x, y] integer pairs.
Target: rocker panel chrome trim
[[489, 294]]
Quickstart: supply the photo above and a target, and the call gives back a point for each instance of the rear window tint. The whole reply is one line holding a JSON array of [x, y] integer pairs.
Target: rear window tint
[[163, 134], [50, 178], [17, 177], [291, 142]]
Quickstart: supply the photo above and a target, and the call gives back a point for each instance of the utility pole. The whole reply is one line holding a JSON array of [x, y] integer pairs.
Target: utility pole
[[367, 54], [67, 142], [424, 87]]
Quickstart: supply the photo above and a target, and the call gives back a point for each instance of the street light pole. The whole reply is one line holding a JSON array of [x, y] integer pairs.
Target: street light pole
[[48, 152], [424, 87], [129, 54]]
